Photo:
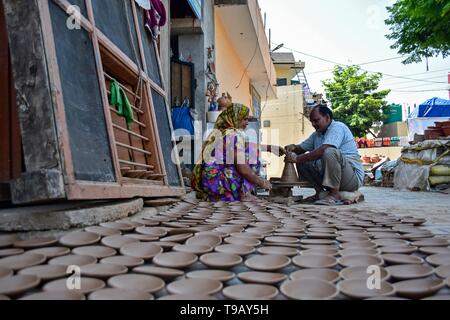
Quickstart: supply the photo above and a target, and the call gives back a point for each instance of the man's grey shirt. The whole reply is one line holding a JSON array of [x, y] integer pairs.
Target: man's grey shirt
[[339, 136]]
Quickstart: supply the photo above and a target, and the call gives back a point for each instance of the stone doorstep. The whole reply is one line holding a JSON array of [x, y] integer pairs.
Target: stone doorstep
[[160, 202]]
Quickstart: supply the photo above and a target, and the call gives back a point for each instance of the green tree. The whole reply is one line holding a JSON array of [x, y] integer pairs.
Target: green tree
[[355, 100], [420, 28]]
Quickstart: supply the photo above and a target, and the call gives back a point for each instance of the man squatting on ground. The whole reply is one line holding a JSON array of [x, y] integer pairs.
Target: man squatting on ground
[[332, 162]]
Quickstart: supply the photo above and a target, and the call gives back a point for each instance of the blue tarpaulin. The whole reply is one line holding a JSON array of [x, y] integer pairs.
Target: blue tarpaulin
[[432, 108]]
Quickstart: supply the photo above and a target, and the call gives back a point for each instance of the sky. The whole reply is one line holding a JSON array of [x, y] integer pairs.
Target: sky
[[351, 32]]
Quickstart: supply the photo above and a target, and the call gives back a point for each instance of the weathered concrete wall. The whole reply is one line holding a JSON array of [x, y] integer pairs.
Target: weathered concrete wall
[[230, 68], [196, 46]]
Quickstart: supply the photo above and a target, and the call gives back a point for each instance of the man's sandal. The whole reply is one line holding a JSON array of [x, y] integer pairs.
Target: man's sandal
[[329, 201]]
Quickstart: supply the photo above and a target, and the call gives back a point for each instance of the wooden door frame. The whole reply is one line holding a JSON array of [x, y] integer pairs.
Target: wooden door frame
[[193, 81]]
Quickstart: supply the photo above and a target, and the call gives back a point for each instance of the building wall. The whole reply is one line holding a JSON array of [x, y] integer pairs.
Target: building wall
[[192, 46], [285, 73], [229, 68], [258, 23], [396, 129], [287, 124], [195, 45]]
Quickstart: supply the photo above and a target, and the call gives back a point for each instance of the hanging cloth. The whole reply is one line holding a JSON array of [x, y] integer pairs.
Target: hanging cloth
[[155, 18], [119, 100]]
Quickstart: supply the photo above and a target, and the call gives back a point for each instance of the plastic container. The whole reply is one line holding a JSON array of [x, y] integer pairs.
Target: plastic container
[[395, 141], [378, 142]]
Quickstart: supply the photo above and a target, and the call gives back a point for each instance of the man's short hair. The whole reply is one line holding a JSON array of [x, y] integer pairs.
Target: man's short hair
[[323, 110]]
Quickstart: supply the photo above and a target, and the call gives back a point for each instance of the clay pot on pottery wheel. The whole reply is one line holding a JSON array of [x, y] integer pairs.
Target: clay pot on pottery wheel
[[289, 173]]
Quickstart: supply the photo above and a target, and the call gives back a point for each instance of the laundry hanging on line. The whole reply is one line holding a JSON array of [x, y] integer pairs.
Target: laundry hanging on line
[[155, 15]]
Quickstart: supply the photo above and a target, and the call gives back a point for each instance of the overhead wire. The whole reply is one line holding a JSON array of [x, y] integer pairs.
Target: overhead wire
[[348, 65], [253, 55]]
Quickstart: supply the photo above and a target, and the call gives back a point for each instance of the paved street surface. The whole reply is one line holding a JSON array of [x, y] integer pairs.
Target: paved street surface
[[432, 206]]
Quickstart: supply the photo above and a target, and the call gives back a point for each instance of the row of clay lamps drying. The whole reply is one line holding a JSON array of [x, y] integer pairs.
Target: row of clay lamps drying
[[257, 250]]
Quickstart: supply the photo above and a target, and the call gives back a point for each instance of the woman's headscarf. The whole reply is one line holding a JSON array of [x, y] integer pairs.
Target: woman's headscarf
[[231, 117], [227, 122]]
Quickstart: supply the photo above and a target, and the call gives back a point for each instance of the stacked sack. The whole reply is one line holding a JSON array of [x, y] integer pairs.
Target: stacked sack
[[439, 174]]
